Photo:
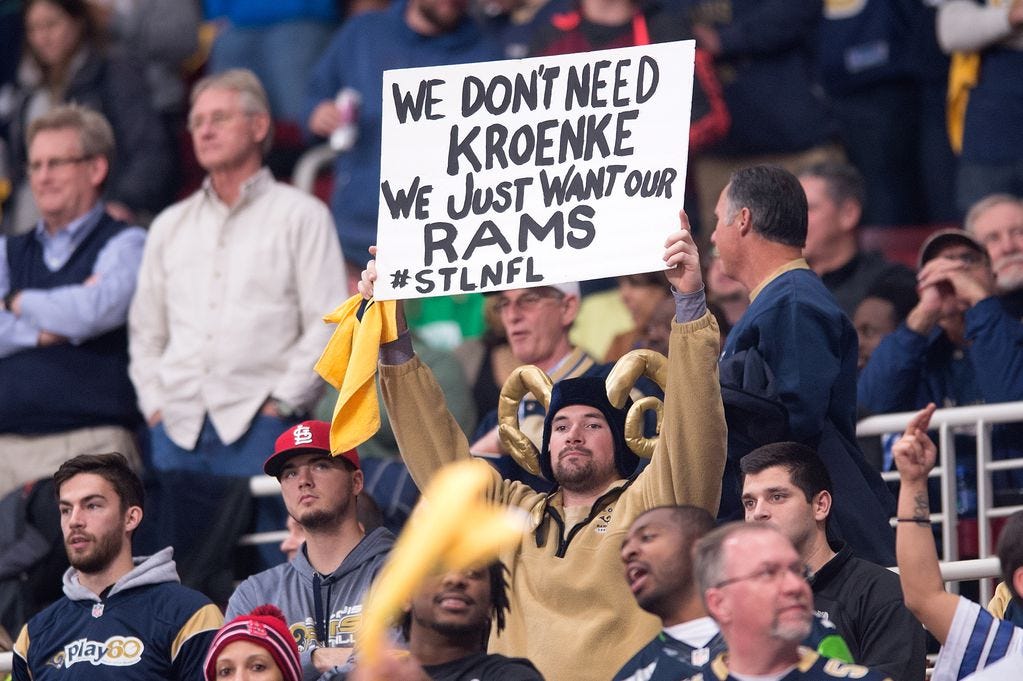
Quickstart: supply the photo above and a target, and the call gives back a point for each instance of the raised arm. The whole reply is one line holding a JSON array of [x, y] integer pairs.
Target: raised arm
[[689, 460], [890, 380], [428, 436], [915, 551]]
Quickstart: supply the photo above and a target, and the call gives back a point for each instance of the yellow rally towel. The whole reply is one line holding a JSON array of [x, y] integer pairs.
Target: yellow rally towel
[[453, 527], [349, 363], [962, 77]]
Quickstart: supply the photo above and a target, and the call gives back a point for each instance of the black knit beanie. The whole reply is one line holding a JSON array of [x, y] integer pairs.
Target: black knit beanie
[[590, 391]]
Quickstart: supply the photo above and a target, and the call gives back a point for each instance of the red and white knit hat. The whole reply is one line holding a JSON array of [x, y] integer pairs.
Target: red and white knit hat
[[266, 627]]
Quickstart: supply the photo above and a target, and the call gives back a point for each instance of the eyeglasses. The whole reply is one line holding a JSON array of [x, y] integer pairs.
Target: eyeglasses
[[53, 163], [217, 119], [527, 301], [771, 572]]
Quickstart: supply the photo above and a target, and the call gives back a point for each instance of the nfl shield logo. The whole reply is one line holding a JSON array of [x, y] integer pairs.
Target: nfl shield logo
[[97, 610]]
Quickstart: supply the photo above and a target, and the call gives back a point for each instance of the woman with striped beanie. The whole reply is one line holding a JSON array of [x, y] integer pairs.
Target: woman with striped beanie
[[252, 647]]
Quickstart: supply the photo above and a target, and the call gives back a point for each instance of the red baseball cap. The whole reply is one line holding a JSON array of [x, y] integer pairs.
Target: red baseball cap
[[307, 437]]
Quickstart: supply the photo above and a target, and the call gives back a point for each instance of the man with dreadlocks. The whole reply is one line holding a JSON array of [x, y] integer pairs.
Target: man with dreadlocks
[[447, 625], [569, 602]]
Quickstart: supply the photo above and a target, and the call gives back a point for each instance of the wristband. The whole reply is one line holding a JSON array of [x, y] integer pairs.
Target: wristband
[[920, 521]]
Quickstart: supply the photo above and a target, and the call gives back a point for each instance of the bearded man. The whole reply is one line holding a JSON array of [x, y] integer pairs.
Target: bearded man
[[118, 612], [321, 590]]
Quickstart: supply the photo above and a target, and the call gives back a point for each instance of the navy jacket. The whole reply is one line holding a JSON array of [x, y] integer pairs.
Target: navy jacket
[[147, 626], [810, 349]]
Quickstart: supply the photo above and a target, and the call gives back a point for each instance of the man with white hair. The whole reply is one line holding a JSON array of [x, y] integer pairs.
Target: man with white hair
[[65, 288], [996, 221], [226, 324]]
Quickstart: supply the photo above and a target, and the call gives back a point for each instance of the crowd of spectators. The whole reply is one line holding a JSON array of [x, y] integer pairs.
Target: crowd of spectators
[[162, 294]]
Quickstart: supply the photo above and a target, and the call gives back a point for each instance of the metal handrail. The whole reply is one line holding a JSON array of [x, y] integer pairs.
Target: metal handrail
[[981, 418], [309, 165]]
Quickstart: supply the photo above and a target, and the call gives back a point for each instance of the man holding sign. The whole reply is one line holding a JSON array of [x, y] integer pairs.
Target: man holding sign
[[569, 602]]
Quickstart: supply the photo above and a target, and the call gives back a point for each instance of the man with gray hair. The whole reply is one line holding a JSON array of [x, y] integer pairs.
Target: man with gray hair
[[996, 221], [226, 324], [792, 320], [754, 585], [66, 286], [795, 329], [960, 344], [537, 322]]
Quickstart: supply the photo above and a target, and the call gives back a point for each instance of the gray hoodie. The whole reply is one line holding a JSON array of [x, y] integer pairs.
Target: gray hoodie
[[155, 569], [322, 611], [163, 629]]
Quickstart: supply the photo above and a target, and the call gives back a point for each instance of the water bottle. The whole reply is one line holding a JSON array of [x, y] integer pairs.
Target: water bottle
[[347, 131]]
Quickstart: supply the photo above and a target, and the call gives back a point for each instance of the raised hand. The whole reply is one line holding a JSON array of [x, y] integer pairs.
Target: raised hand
[[914, 452], [682, 256], [970, 283], [369, 276]]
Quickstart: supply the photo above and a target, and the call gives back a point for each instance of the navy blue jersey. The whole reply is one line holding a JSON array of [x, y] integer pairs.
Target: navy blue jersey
[[811, 667], [155, 631], [668, 659]]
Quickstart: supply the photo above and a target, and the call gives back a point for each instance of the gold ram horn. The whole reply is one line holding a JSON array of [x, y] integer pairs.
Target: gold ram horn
[[634, 424], [620, 382], [524, 380]]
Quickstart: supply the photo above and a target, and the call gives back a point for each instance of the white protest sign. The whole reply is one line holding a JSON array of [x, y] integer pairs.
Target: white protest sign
[[513, 174]]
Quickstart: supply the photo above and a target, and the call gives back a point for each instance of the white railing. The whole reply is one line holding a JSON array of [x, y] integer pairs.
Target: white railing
[[309, 166], [946, 422], [263, 486]]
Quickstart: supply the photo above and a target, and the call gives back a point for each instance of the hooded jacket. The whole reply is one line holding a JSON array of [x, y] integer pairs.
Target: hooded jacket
[[322, 611], [147, 625]]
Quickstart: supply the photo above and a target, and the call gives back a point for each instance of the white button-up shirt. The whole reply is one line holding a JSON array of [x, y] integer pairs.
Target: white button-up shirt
[[229, 306]]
